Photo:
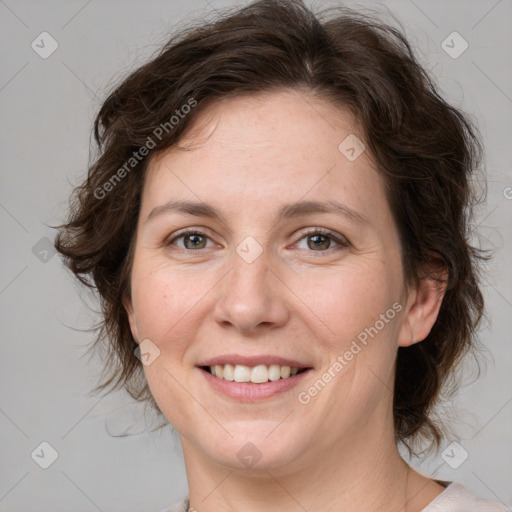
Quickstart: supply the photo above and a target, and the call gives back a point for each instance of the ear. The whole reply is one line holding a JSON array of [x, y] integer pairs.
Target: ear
[[423, 304], [128, 306]]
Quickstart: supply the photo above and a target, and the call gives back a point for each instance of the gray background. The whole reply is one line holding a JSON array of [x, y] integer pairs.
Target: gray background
[[107, 458]]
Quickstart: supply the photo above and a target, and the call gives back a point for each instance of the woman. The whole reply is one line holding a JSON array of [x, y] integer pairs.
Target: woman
[[278, 224]]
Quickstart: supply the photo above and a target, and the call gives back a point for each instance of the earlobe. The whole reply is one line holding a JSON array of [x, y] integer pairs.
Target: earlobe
[[423, 308]]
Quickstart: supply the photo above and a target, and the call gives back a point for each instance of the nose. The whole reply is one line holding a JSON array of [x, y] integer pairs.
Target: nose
[[252, 298]]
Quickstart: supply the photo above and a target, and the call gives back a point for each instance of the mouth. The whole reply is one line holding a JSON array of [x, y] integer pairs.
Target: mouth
[[258, 374], [253, 379]]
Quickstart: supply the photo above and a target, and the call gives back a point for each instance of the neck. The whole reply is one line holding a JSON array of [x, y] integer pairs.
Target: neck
[[362, 473]]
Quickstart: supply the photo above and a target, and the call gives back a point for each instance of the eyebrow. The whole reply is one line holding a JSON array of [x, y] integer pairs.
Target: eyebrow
[[287, 211]]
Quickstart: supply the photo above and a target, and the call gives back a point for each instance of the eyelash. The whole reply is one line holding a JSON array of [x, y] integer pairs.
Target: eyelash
[[341, 241]]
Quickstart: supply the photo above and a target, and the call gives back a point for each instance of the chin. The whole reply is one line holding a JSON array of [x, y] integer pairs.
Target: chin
[[256, 447]]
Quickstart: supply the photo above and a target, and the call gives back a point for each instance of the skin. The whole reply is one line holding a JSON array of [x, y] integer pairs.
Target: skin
[[247, 156]]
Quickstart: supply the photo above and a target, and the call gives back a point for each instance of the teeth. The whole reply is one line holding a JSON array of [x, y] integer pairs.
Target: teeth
[[257, 374], [229, 372], [219, 371], [274, 372], [242, 373]]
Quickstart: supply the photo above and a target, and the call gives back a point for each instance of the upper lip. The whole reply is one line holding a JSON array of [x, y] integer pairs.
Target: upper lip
[[235, 359]]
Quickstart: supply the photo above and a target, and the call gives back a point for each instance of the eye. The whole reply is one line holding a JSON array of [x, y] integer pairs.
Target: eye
[[320, 240], [192, 238]]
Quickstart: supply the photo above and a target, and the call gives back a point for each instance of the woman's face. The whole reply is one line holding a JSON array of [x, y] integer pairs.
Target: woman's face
[[257, 285]]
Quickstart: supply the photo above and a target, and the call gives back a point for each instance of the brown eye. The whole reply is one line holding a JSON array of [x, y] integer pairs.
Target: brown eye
[[322, 241], [191, 240], [196, 241], [319, 242]]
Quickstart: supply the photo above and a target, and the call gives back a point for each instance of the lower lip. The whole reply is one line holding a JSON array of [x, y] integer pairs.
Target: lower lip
[[250, 392]]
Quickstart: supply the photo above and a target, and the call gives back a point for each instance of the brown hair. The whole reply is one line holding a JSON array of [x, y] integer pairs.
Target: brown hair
[[427, 151]]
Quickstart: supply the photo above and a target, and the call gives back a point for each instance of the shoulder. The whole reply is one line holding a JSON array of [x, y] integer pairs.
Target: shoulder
[[182, 506], [456, 498]]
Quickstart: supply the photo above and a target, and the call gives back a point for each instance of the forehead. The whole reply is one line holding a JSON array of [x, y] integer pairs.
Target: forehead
[[276, 147], [288, 123]]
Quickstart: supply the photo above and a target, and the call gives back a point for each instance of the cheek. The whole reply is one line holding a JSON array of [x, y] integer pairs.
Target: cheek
[[165, 298], [350, 300], [361, 309]]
